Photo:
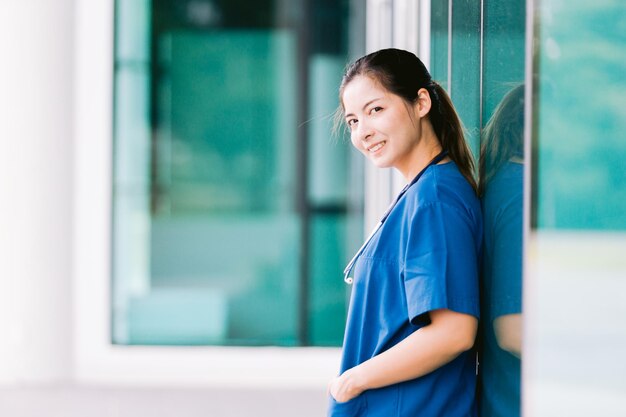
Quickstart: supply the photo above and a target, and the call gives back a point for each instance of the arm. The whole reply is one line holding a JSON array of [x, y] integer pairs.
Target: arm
[[448, 335], [508, 330]]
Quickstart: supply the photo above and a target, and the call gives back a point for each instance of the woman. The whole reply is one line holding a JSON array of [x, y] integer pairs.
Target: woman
[[408, 347]]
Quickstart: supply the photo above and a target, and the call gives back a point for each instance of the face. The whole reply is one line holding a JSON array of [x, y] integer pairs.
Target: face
[[382, 125]]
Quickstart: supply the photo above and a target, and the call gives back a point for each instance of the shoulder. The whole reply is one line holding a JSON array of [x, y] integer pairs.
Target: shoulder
[[443, 185]]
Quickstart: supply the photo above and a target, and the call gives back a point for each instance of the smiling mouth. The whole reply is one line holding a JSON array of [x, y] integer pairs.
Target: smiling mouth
[[376, 147]]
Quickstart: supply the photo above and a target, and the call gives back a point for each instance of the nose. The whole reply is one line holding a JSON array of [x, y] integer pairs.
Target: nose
[[364, 131]]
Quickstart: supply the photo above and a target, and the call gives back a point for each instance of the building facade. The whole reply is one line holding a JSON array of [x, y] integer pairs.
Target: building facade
[[178, 208]]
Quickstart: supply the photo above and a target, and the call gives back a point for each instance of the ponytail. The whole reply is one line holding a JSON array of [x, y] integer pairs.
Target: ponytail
[[449, 131]]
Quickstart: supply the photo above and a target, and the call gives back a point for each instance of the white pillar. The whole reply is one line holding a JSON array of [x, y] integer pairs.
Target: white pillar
[[379, 183], [36, 149], [391, 24]]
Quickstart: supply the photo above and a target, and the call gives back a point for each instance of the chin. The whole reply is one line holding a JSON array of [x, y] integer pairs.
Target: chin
[[381, 163]]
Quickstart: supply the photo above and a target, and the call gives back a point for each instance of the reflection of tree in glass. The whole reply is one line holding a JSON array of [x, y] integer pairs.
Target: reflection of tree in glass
[[501, 189]]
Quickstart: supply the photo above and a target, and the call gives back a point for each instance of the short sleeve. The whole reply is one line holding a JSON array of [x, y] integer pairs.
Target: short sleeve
[[441, 261]]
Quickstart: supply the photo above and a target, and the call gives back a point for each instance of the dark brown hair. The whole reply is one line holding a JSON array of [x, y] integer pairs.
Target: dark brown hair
[[503, 136], [402, 73]]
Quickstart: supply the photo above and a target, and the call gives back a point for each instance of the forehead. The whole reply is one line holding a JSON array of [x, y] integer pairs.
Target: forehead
[[361, 90]]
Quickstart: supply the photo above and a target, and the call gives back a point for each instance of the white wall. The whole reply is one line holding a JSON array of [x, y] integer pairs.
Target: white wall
[[35, 189]]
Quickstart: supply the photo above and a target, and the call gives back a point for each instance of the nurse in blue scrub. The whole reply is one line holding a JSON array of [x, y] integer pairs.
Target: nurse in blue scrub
[[409, 342]]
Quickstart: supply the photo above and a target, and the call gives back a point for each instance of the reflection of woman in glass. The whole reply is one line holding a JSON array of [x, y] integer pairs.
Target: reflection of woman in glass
[[408, 348], [501, 188]]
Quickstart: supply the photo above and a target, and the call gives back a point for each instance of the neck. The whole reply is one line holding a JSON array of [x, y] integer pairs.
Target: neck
[[424, 152]]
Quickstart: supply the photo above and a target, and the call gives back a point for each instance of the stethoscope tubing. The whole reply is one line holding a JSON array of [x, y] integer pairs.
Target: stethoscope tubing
[[350, 266]]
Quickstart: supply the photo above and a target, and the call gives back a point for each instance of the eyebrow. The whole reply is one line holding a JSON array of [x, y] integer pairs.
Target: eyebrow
[[364, 106]]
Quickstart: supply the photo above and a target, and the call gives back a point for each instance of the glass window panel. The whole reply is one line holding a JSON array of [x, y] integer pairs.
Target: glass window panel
[[329, 196], [486, 69], [211, 239], [465, 78], [439, 36], [329, 233], [504, 27], [501, 180], [133, 30], [580, 177]]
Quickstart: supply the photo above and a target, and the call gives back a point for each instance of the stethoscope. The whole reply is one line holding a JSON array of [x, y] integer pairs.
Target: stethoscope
[[350, 265]]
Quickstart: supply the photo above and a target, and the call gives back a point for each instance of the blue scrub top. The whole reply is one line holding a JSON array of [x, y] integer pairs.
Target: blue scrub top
[[423, 258]]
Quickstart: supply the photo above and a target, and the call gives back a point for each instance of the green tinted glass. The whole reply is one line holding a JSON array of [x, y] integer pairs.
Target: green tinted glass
[[478, 52], [465, 67], [580, 173], [439, 40], [231, 221]]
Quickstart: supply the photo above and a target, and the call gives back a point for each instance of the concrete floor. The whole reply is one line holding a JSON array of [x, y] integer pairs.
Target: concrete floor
[[81, 401]]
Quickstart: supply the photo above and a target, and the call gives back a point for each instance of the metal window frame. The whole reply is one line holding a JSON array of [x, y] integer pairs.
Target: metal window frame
[[527, 235]]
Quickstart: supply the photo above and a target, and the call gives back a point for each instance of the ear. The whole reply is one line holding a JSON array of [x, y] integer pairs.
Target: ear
[[422, 103]]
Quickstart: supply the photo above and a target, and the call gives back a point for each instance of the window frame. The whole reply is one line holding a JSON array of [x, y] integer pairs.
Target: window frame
[[96, 359]]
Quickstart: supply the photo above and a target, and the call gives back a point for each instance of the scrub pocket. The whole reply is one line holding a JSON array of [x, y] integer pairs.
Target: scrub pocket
[[356, 407], [383, 402]]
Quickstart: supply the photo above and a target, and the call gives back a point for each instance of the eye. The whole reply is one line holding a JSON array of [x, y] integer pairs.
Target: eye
[[376, 109], [351, 122]]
